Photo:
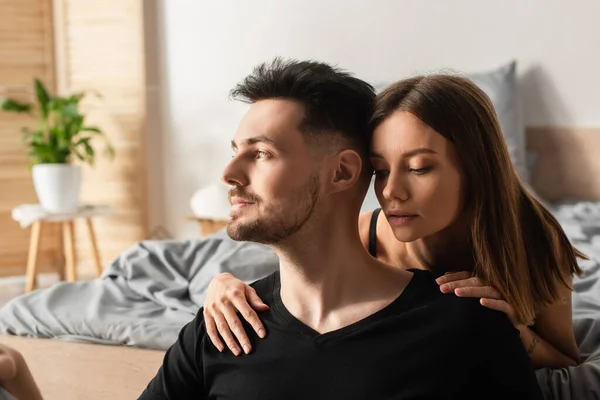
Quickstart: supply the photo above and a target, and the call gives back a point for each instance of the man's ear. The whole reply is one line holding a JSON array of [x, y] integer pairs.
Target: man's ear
[[347, 170]]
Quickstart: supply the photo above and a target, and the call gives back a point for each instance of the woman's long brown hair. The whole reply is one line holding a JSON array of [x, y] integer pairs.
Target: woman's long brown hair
[[518, 246]]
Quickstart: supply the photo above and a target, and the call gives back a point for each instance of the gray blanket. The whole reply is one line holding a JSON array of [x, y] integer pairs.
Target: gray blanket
[[581, 222], [150, 291], [143, 298]]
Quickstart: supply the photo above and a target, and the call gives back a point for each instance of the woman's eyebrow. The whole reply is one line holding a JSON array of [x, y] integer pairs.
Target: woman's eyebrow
[[407, 154], [420, 150]]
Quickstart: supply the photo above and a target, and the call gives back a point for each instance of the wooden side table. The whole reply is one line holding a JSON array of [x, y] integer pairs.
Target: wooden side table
[[35, 216]]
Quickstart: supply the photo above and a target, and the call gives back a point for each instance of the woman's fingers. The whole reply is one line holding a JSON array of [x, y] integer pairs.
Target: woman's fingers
[[250, 315], [236, 327], [255, 301], [211, 331], [478, 291], [449, 287], [500, 305], [225, 332], [453, 276]]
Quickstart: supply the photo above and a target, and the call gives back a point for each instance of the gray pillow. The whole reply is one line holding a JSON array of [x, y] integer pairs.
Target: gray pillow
[[501, 87]]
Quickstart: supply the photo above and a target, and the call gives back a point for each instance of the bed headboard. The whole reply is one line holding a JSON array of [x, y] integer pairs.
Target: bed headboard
[[568, 163]]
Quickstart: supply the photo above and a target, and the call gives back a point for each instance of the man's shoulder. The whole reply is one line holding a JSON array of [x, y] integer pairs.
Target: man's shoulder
[[264, 287], [469, 316], [457, 312]]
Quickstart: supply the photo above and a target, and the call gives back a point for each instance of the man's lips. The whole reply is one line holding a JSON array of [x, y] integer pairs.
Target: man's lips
[[237, 202]]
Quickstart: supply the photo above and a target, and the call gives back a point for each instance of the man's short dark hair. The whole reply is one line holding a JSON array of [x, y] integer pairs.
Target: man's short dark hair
[[335, 102]]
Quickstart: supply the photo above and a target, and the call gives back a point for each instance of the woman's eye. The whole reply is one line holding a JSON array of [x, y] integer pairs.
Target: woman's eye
[[419, 171]]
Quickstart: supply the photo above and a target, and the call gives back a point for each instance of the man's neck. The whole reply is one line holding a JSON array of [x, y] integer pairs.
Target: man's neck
[[328, 279]]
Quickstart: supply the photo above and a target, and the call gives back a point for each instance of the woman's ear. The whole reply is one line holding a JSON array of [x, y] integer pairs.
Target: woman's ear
[[347, 170]]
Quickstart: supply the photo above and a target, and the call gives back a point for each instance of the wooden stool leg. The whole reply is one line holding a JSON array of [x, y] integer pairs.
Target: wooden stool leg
[[69, 242], [34, 248], [95, 251], [62, 265]]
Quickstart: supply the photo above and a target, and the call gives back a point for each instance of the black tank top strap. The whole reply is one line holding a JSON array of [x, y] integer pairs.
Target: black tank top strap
[[373, 232]]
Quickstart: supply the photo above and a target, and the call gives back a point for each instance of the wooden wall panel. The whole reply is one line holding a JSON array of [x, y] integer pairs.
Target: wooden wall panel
[[102, 48], [75, 45], [26, 51]]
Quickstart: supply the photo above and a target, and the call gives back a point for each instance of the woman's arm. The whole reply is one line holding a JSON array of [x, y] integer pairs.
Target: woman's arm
[[554, 326], [551, 342], [226, 296]]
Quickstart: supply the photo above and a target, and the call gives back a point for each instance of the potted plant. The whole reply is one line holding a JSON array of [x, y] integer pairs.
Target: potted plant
[[61, 138]]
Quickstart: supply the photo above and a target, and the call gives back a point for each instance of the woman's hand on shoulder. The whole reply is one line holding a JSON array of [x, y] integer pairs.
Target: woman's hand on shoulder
[[464, 284], [225, 297]]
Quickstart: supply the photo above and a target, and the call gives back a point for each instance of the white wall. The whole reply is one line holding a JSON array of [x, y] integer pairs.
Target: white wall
[[208, 46]]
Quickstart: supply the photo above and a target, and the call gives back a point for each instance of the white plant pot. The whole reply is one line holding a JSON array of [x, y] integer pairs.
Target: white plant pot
[[57, 186]]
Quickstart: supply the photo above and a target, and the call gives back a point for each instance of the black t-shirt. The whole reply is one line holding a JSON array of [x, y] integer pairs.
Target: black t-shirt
[[423, 345]]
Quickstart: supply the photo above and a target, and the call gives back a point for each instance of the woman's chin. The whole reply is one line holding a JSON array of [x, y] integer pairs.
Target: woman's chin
[[406, 235]]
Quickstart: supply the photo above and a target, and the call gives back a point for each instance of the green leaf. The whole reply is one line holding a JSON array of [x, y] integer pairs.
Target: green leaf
[[70, 110], [34, 137], [76, 97], [55, 104], [62, 155], [56, 133], [78, 154], [43, 152], [81, 141], [92, 129], [90, 153], [109, 151], [74, 125], [42, 97], [15, 106]]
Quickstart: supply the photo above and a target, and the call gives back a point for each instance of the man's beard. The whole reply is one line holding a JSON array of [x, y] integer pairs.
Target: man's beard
[[272, 226]]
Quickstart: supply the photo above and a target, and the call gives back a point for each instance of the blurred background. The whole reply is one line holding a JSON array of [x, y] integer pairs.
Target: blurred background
[[163, 70]]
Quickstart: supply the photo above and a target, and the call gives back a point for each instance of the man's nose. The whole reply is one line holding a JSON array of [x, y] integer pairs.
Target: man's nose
[[233, 174]]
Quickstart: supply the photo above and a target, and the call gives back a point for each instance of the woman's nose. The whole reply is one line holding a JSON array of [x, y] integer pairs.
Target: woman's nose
[[395, 188]]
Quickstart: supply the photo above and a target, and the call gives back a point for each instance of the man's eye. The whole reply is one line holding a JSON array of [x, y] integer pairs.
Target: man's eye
[[380, 174], [261, 154]]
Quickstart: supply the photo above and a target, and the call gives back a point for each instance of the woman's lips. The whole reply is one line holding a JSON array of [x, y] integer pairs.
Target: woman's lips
[[401, 219]]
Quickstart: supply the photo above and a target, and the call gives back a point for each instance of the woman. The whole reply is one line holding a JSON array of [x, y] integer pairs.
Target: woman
[[454, 201]]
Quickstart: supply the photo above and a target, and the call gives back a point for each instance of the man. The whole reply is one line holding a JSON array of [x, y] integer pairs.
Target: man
[[15, 377], [341, 325]]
